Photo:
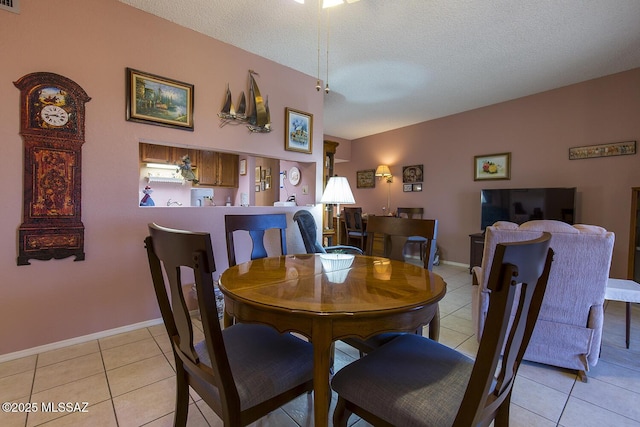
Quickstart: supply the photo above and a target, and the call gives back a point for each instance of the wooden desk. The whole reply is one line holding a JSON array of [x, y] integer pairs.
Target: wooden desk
[[327, 297]]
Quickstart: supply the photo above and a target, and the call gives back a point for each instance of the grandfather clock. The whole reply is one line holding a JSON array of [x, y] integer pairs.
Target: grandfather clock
[[52, 129]]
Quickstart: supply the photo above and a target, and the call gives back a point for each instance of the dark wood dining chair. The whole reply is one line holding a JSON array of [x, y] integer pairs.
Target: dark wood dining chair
[[354, 226], [242, 372], [416, 381], [256, 226], [309, 231], [387, 237], [414, 213]]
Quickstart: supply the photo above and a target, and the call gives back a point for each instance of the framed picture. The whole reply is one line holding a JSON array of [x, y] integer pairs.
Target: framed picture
[[258, 176], [263, 174], [366, 178], [267, 182], [263, 186], [159, 101], [602, 150], [413, 173], [416, 187], [407, 187], [257, 188], [492, 166], [298, 135], [243, 167]]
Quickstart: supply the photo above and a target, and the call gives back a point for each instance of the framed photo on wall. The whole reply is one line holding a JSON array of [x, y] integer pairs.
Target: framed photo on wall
[[492, 166], [243, 167], [407, 187], [298, 135], [413, 173], [366, 178], [158, 100]]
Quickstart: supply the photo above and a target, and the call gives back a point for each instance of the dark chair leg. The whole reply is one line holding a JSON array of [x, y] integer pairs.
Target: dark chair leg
[[628, 323], [434, 326], [341, 414], [502, 414], [182, 397]]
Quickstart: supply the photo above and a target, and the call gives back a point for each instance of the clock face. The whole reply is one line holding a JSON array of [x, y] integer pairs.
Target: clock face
[[54, 115]]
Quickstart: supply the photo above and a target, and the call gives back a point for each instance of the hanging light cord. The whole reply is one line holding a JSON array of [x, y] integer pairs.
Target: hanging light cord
[[318, 87], [326, 89]]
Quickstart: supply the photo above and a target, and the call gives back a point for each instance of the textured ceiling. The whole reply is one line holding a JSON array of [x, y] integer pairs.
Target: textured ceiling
[[393, 63]]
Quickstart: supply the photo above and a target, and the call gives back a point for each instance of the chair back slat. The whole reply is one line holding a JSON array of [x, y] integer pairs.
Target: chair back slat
[[255, 225]]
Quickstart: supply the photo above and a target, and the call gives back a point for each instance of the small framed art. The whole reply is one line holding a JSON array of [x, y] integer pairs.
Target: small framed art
[[492, 166], [416, 187], [407, 187], [298, 135], [243, 167]]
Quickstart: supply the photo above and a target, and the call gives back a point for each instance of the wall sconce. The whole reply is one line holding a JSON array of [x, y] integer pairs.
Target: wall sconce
[[383, 171]]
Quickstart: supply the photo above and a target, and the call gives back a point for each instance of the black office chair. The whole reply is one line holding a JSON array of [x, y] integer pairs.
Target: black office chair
[[242, 372], [308, 230], [416, 381]]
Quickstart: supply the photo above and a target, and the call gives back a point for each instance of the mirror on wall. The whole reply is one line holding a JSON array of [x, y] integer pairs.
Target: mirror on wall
[[221, 178]]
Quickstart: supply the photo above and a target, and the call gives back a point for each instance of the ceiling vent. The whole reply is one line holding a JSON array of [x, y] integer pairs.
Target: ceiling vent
[[10, 5]]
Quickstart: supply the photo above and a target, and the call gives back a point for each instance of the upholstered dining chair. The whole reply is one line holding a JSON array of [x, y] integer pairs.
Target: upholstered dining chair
[[242, 372], [420, 242], [308, 230], [415, 381], [354, 226], [256, 226], [387, 237]]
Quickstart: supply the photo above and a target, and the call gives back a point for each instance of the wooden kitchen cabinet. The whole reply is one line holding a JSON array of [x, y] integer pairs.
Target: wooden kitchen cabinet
[[218, 169], [152, 153]]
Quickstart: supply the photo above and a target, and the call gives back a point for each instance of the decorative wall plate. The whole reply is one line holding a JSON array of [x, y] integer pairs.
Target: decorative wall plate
[[294, 175]]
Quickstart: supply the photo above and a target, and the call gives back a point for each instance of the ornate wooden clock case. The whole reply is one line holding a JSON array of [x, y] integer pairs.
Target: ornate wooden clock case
[[52, 128]]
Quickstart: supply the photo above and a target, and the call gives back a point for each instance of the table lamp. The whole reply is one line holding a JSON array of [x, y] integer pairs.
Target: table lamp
[[338, 192]]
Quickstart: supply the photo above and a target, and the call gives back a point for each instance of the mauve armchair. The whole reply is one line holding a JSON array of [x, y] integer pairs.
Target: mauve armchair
[[568, 332]]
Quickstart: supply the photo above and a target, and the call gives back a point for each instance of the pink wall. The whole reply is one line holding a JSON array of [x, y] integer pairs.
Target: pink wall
[[50, 301], [538, 130]]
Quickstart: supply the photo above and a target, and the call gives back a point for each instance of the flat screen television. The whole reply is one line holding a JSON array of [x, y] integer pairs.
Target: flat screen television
[[525, 204]]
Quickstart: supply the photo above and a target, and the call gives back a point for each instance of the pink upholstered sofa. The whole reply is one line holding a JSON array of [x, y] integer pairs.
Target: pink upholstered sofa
[[569, 328]]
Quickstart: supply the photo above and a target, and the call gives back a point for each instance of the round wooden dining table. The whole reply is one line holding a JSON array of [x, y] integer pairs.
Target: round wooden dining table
[[327, 297]]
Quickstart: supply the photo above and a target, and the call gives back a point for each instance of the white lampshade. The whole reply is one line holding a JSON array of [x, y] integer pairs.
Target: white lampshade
[[338, 191], [383, 170]]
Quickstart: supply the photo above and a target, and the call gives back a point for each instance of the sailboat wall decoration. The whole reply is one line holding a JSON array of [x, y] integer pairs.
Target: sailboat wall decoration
[[256, 118]]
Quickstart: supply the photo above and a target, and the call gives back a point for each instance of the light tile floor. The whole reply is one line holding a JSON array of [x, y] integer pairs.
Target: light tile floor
[[128, 379]]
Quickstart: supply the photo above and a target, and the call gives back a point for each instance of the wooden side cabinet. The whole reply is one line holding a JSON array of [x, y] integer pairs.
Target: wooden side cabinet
[[476, 248]]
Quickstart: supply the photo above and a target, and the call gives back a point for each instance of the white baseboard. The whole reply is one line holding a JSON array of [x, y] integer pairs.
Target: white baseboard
[[78, 340], [457, 264]]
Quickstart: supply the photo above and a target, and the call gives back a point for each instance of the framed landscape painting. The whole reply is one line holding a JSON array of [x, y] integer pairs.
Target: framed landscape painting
[[159, 101]]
